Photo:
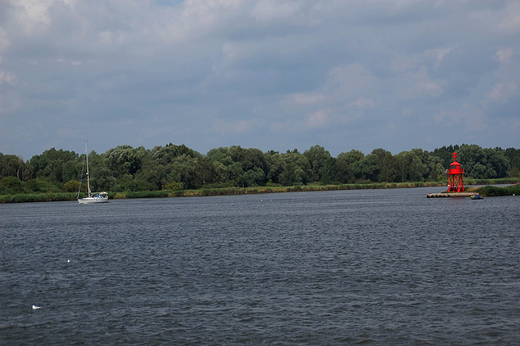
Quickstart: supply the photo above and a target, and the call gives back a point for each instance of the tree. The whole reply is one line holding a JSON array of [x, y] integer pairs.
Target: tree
[[513, 156], [297, 169], [483, 163], [12, 166], [371, 168], [348, 166], [318, 158], [124, 160], [204, 170], [387, 164], [276, 166], [51, 165], [410, 166]]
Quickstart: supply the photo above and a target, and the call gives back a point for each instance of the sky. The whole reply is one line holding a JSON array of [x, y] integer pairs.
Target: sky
[[266, 74]]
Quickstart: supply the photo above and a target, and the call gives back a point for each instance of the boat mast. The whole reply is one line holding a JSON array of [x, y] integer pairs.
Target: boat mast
[[88, 175]]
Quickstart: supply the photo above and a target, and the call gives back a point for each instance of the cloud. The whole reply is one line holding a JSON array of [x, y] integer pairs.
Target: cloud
[[316, 120], [503, 91], [280, 126], [510, 23], [5, 77], [69, 133], [467, 118], [507, 77], [4, 41], [242, 71], [363, 102], [235, 127], [305, 98], [266, 10], [33, 14], [505, 54]]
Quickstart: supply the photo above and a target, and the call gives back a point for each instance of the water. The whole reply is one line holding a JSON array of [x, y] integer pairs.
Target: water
[[338, 267]]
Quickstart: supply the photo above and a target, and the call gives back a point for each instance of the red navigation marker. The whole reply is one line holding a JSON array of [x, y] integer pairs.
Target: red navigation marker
[[455, 183]]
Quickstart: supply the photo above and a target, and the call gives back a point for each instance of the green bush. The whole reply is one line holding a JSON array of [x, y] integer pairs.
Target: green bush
[[499, 191], [4, 190], [174, 186], [147, 194], [73, 186], [12, 183], [40, 185]]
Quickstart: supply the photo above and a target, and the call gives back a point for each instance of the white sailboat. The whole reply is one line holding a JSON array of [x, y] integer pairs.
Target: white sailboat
[[101, 197]]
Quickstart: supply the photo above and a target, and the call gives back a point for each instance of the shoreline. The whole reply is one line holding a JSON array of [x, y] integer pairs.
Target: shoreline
[[68, 196]]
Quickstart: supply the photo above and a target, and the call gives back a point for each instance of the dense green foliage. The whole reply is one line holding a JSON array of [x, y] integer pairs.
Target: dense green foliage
[[499, 191], [177, 167]]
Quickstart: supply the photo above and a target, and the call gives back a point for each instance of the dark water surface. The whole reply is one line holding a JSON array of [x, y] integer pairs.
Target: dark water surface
[[317, 268]]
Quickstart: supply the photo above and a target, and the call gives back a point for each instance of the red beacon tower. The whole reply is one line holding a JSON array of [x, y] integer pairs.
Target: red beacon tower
[[455, 183]]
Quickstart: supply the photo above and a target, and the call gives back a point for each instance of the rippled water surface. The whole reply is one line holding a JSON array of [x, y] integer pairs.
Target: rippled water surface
[[342, 267]]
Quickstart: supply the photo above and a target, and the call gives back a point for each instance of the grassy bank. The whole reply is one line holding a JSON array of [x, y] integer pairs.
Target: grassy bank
[[50, 197], [499, 191], [299, 188], [468, 181], [38, 197]]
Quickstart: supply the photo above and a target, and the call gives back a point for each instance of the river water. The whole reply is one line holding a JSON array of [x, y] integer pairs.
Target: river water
[[337, 267]]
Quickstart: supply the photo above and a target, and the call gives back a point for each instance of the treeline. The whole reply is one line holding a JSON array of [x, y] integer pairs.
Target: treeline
[[177, 167]]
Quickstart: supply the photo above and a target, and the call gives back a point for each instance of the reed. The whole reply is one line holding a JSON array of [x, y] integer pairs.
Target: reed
[[38, 197], [146, 194]]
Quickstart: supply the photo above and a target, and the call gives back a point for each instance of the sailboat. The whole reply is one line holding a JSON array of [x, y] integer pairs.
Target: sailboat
[[101, 197]]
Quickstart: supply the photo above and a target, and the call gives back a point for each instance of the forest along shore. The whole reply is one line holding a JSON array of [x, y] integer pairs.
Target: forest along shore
[[176, 170]]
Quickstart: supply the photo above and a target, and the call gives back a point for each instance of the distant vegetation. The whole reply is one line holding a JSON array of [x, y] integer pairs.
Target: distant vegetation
[[499, 191], [168, 170]]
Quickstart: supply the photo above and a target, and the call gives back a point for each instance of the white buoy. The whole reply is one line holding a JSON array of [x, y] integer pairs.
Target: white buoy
[[36, 307], [68, 261]]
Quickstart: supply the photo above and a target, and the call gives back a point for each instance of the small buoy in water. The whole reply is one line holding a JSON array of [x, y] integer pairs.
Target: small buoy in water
[[68, 261], [36, 307]]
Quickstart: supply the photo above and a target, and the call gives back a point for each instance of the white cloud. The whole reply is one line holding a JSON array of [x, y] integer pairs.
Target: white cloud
[[511, 22], [235, 127], [505, 54], [363, 102], [33, 15], [266, 10], [105, 38], [4, 41], [503, 91], [421, 85], [316, 120], [5, 77], [305, 98]]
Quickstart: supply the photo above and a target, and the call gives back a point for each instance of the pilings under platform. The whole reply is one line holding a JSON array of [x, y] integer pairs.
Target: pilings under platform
[[451, 194]]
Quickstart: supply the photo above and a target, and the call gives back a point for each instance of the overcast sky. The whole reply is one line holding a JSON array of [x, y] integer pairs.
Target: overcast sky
[[266, 74]]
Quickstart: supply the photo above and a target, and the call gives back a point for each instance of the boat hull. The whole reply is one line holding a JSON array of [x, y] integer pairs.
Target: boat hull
[[91, 200]]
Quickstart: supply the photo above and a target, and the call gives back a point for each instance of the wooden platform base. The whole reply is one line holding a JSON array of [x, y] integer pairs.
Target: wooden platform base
[[451, 194]]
